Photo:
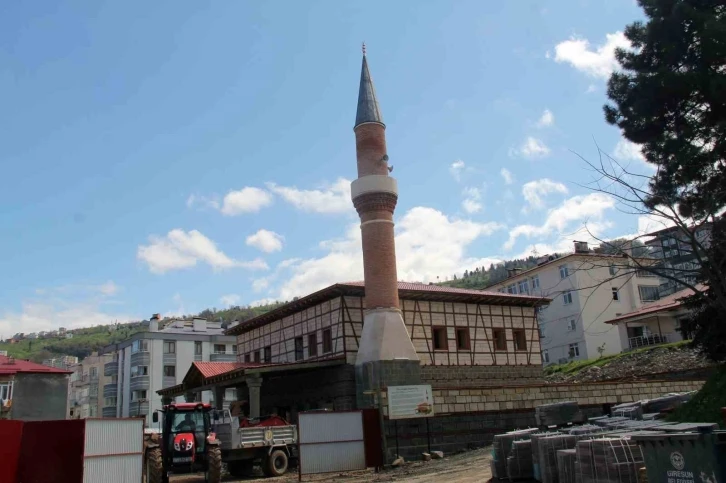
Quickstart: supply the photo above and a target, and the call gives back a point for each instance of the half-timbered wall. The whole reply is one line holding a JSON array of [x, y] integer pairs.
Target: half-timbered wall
[[421, 317], [344, 317], [280, 335]]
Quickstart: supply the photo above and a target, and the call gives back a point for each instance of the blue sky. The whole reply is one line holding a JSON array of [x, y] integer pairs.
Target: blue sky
[[173, 156]]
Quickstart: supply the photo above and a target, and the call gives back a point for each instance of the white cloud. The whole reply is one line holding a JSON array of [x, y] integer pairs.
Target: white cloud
[[230, 300], [471, 202], [108, 288], [72, 306], [247, 200], [546, 119], [265, 240], [588, 208], [531, 148], [201, 202], [456, 168], [180, 250], [428, 244], [595, 62], [628, 151], [535, 191], [333, 198], [507, 176], [591, 88]]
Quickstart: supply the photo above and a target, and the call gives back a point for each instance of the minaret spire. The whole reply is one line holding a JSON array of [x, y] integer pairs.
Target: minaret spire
[[368, 109], [384, 339]]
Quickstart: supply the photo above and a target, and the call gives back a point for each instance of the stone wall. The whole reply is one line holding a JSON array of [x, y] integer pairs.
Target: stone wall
[[478, 376], [467, 418]]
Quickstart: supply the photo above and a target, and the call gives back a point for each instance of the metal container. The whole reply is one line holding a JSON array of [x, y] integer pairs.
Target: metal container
[[113, 451], [684, 457]]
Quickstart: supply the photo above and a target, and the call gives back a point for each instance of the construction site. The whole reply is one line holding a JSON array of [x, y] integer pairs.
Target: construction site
[[381, 380]]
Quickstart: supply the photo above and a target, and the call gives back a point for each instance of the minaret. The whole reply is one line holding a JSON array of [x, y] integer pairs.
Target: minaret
[[384, 341]]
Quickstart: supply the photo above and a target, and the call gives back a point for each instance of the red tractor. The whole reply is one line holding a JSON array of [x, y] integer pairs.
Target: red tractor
[[187, 444]]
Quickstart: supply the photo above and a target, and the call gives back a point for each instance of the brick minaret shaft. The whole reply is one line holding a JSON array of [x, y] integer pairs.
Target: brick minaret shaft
[[374, 194], [376, 201]]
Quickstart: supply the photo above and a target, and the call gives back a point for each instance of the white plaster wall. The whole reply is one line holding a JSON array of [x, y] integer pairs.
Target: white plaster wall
[[156, 373], [126, 387], [184, 358]]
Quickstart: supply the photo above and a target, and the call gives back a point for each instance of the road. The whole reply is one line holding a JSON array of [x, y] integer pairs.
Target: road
[[468, 467]]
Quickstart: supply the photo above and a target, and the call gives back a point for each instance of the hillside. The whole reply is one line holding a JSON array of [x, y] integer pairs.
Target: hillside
[[632, 365], [91, 339], [481, 277]]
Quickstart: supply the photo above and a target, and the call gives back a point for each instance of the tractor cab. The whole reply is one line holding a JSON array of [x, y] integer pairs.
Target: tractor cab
[[187, 444]]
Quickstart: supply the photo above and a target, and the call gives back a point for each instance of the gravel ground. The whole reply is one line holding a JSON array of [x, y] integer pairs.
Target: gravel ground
[[468, 467]]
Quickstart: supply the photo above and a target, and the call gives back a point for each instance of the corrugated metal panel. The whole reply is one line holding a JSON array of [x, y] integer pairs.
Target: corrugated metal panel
[[331, 442], [114, 436], [113, 451], [324, 458], [329, 427], [113, 469]]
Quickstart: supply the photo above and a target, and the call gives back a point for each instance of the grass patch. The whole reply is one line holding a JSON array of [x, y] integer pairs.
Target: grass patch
[[706, 404], [577, 366]]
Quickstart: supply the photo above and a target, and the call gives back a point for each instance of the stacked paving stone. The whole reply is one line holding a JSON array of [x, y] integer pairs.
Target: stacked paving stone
[[608, 460], [502, 447], [566, 459], [557, 414], [536, 438], [548, 448], [519, 461]]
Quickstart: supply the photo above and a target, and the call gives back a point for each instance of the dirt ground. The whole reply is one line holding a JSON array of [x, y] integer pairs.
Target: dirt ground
[[468, 467]]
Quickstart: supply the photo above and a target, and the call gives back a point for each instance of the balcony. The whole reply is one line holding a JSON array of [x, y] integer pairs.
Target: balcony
[[110, 390], [139, 383], [649, 340], [168, 382], [110, 368], [108, 412], [198, 357], [169, 359], [140, 359], [140, 407], [223, 357]]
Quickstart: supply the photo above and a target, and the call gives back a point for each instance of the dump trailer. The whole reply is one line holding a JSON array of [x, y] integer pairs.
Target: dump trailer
[[270, 442]]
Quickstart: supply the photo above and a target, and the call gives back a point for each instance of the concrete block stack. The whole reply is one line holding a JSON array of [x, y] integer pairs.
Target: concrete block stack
[[502, 447], [519, 461], [608, 460], [557, 414], [548, 448], [566, 465]]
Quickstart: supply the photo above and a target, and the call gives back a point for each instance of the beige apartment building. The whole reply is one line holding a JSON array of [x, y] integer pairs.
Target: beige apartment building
[[85, 400], [587, 290]]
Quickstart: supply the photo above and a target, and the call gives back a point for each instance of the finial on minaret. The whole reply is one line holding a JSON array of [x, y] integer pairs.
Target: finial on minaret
[[364, 48]]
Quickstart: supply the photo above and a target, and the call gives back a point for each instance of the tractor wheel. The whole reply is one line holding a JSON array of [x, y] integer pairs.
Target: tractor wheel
[[214, 464], [277, 463], [154, 466], [240, 468]]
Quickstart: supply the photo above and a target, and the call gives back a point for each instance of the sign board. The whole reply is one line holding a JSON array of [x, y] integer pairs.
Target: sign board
[[405, 402]]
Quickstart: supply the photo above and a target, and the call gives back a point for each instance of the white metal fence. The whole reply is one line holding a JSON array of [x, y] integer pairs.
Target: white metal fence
[[331, 441], [113, 451]]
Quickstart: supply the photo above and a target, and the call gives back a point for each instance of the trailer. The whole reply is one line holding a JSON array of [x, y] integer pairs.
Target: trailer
[[270, 442]]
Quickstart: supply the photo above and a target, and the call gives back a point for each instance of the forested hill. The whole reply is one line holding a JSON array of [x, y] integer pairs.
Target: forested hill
[[481, 277], [90, 339]]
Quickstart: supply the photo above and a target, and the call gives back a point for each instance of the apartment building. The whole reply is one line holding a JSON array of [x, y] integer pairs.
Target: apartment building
[[159, 358], [587, 290], [674, 248], [63, 362], [85, 398]]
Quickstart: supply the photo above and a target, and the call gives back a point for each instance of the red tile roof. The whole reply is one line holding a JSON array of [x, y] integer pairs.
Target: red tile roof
[[406, 291], [8, 365], [666, 304], [209, 369]]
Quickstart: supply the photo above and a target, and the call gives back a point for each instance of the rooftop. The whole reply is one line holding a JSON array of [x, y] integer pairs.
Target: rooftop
[[9, 365], [406, 291], [666, 304]]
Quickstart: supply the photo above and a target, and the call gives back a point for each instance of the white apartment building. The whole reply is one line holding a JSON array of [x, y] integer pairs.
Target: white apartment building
[[153, 360], [587, 290]]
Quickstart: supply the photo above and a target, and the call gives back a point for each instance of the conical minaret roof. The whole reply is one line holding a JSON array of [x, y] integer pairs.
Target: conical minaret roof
[[368, 109]]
